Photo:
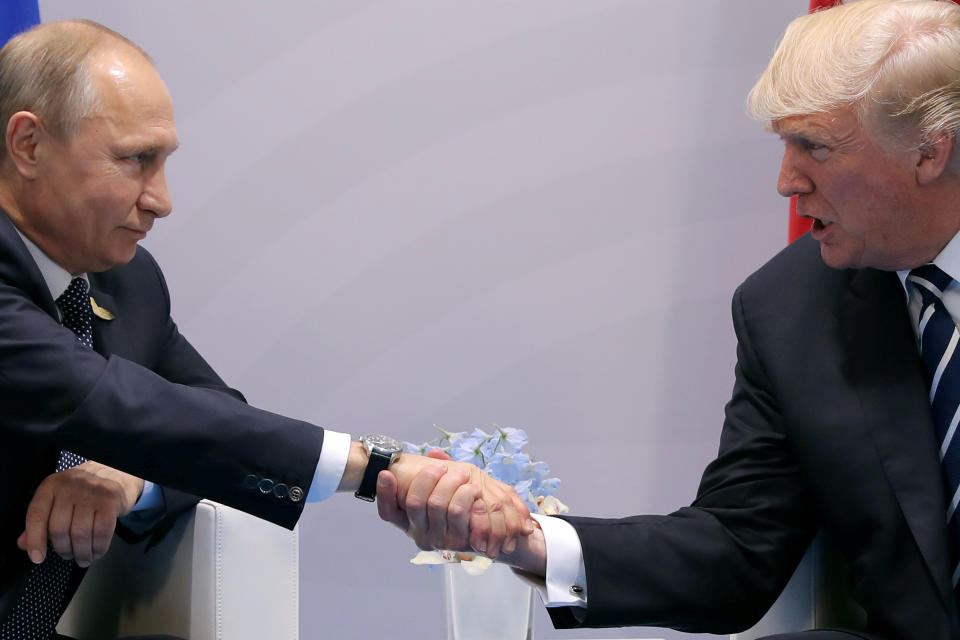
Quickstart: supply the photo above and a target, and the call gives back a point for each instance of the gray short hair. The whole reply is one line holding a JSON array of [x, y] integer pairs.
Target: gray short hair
[[46, 71], [896, 61]]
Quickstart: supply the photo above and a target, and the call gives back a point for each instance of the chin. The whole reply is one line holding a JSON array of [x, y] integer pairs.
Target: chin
[[118, 258], [837, 259]]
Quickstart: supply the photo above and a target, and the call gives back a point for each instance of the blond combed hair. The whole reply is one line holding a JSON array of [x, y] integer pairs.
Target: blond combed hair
[[896, 61], [46, 71]]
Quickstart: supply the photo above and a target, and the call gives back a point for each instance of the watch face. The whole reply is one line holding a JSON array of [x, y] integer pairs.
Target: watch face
[[382, 443]]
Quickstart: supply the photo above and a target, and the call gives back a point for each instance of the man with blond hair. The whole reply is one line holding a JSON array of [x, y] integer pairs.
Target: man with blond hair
[[850, 429], [100, 391]]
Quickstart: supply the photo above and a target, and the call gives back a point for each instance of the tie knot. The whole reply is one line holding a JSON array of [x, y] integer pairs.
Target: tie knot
[[931, 278], [75, 294]]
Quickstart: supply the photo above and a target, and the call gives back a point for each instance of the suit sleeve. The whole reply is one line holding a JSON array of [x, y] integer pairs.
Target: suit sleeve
[[717, 565], [178, 362], [200, 440]]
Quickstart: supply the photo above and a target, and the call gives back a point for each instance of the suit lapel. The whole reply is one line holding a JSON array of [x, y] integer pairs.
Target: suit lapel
[[109, 336], [883, 365]]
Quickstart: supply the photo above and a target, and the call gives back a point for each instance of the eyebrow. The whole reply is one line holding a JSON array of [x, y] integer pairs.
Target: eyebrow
[[147, 149]]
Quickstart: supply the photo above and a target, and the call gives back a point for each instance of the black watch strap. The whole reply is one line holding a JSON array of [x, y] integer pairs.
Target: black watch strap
[[368, 486]]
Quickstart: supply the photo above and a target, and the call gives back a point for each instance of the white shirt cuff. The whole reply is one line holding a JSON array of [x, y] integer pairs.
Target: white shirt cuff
[[566, 580], [330, 466]]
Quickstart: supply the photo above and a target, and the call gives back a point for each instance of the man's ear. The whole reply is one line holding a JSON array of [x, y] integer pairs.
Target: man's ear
[[23, 134], [934, 158]]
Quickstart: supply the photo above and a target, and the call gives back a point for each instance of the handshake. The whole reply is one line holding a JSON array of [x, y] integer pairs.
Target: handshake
[[439, 503], [443, 504]]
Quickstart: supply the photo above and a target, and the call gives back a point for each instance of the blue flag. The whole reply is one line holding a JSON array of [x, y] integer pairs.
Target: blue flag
[[17, 16]]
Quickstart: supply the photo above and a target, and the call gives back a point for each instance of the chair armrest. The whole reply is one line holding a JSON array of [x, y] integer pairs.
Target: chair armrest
[[219, 573], [816, 596]]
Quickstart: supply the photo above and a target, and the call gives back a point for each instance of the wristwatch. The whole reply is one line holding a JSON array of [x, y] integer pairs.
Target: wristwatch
[[382, 451]]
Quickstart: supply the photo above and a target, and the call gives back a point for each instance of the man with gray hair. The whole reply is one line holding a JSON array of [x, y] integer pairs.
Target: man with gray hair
[[100, 392], [850, 430]]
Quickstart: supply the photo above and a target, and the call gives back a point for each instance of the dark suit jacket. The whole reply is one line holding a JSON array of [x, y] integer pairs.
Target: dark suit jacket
[[142, 401], [828, 427]]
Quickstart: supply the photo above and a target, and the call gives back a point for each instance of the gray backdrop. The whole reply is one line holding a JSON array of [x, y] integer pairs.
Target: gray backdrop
[[394, 214]]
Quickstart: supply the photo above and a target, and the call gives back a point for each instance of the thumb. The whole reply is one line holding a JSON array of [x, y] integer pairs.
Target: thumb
[[387, 506], [438, 454]]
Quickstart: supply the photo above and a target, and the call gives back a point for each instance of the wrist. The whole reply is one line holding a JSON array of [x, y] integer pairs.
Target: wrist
[[353, 472], [377, 452]]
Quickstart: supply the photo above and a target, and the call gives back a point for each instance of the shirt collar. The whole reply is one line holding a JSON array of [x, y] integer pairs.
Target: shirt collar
[[55, 277], [948, 260]]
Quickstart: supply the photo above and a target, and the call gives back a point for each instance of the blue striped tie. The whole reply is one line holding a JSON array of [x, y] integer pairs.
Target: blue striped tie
[[939, 351], [42, 602]]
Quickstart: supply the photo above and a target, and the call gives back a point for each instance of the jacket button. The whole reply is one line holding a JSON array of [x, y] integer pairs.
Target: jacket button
[[296, 494], [250, 481], [266, 485], [280, 491]]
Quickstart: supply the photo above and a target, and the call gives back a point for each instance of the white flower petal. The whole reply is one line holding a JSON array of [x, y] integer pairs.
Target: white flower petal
[[477, 566], [428, 557]]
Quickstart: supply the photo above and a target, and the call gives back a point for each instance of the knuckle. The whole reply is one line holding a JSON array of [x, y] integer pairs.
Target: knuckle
[[100, 547], [103, 531], [435, 503], [414, 504], [58, 531], [79, 532], [480, 526]]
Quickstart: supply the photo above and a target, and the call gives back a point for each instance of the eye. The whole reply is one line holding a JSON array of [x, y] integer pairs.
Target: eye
[[817, 151]]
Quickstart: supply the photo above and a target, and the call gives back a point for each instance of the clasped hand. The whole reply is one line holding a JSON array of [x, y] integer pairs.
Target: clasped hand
[[77, 510], [443, 504]]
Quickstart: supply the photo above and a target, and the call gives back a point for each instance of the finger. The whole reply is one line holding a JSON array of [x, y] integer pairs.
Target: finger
[[104, 524], [387, 506], [438, 454], [494, 503], [58, 528], [458, 516], [437, 504], [415, 504], [81, 535], [514, 517], [479, 526], [37, 519]]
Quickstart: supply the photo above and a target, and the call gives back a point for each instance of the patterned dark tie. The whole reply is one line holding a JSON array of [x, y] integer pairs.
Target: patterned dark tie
[[939, 351], [42, 603]]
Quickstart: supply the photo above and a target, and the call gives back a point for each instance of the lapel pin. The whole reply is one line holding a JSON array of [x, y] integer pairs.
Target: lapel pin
[[99, 311]]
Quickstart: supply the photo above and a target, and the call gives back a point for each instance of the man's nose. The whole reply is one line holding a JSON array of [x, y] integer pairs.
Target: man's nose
[[792, 181], [155, 197]]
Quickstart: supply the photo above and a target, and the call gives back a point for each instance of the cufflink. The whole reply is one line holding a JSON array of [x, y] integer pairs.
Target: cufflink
[[576, 590]]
